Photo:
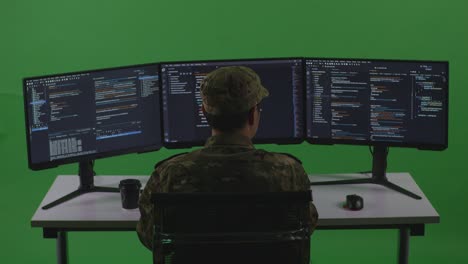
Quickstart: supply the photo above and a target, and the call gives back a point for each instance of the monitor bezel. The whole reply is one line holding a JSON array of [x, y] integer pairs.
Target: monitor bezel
[[421, 146], [278, 141], [94, 156]]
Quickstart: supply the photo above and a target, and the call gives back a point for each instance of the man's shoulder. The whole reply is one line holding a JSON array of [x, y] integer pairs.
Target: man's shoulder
[[172, 159], [285, 170], [279, 157]]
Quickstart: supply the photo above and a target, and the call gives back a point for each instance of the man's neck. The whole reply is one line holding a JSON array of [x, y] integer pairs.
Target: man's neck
[[243, 131]]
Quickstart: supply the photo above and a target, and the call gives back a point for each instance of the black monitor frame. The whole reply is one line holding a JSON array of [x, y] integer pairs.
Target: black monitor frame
[[82, 158], [279, 141], [421, 146]]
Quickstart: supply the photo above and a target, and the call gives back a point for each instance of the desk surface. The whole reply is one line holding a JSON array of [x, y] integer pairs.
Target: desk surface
[[382, 206]]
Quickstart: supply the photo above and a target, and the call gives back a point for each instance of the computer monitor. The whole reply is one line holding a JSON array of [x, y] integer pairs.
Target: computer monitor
[[83, 116], [282, 118], [367, 102], [381, 103]]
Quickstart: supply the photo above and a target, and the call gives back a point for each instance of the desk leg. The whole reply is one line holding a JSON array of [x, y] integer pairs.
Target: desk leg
[[62, 254], [403, 253]]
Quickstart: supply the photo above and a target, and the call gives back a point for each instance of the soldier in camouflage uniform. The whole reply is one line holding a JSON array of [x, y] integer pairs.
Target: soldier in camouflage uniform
[[229, 162]]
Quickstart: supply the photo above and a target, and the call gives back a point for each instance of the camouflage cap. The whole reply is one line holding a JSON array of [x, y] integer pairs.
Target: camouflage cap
[[230, 90]]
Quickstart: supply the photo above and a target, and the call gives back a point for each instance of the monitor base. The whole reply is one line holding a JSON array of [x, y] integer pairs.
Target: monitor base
[[86, 175], [385, 183], [379, 167]]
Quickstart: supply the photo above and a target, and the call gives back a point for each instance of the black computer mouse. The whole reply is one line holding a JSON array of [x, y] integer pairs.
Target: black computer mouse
[[354, 202]]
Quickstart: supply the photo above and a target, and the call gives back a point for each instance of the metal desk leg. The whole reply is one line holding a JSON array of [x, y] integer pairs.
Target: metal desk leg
[[403, 252], [62, 254]]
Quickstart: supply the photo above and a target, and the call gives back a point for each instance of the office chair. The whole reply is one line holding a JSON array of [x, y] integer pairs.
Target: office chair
[[239, 228]]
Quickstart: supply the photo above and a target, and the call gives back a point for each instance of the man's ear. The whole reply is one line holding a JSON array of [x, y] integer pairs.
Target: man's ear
[[252, 116]]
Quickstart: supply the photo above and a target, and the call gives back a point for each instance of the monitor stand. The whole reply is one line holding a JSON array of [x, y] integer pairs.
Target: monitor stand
[[379, 166], [86, 175]]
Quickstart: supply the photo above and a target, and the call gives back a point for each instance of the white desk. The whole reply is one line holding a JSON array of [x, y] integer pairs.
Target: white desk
[[101, 211], [383, 208]]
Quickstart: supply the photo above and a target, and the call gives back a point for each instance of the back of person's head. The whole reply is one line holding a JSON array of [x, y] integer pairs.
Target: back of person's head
[[229, 95]]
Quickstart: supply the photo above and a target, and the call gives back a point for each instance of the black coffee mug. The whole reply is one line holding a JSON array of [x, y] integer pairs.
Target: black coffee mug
[[130, 193]]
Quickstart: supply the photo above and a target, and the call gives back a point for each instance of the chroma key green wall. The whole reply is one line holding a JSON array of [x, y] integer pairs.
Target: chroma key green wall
[[52, 36]]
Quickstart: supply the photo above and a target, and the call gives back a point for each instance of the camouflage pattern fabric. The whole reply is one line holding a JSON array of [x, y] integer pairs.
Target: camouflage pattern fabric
[[227, 163], [229, 90]]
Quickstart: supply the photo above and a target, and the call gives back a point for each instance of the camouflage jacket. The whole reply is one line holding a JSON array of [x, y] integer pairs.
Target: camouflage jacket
[[227, 163]]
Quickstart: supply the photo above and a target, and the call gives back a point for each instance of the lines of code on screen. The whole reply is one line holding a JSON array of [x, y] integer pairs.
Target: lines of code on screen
[[282, 115], [93, 112], [380, 101]]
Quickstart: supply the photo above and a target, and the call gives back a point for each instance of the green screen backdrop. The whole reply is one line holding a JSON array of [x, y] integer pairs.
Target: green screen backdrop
[[52, 36]]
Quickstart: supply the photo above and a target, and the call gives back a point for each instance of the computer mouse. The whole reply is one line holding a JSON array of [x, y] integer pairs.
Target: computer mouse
[[354, 202]]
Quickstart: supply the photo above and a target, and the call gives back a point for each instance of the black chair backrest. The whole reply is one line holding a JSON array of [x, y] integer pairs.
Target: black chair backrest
[[267, 227]]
